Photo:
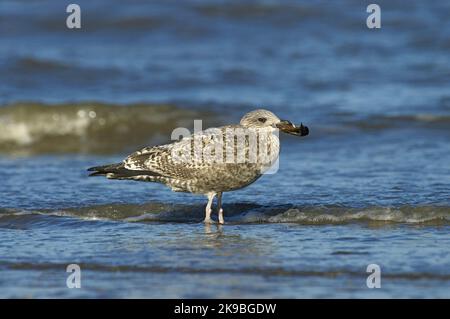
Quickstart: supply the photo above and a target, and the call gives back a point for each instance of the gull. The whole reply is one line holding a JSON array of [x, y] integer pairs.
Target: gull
[[209, 162]]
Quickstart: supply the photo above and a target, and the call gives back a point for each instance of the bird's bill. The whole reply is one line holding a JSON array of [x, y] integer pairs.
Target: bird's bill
[[288, 127]]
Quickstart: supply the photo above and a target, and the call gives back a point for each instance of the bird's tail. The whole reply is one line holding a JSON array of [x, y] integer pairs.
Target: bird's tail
[[105, 169], [118, 171]]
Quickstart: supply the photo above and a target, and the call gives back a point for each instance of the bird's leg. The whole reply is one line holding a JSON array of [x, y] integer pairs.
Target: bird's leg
[[208, 219], [219, 208]]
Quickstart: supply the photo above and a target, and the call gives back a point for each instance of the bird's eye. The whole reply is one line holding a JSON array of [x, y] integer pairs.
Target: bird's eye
[[262, 119]]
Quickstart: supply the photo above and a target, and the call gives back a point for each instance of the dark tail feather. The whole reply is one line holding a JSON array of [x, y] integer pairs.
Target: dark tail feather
[[118, 171], [97, 174], [105, 169]]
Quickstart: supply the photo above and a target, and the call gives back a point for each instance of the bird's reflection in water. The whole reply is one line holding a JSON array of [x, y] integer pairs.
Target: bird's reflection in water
[[214, 229], [214, 236], [229, 242]]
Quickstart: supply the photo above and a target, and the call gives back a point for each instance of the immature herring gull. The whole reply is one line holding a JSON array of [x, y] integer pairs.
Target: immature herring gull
[[209, 162]]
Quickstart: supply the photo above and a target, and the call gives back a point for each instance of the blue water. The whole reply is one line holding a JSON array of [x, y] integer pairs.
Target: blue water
[[370, 184]]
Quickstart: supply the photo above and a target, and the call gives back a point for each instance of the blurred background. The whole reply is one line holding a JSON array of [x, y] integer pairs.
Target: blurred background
[[377, 102]]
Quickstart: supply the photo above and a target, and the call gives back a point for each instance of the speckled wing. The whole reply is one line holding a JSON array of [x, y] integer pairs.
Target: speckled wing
[[195, 173], [159, 159]]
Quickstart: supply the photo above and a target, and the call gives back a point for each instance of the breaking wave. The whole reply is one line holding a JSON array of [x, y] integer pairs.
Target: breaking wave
[[235, 214], [100, 128], [95, 128]]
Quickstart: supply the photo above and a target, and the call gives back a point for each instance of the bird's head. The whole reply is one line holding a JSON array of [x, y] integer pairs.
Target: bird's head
[[266, 119]]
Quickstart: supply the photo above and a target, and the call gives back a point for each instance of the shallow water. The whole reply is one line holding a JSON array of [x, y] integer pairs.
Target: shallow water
[[370, 184], [239, 260]]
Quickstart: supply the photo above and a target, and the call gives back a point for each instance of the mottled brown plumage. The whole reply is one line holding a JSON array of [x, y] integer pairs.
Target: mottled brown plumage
[[209, 162]]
